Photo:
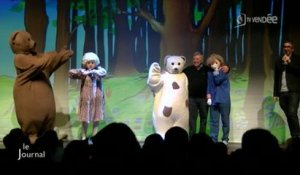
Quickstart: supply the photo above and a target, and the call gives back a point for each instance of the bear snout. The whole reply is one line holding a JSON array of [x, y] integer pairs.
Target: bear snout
[[176, 70]]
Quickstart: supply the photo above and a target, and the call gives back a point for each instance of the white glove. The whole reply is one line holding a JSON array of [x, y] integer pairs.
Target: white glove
[[100, 71], [155, 67], [85, 72], [73, 71], [209, 101]]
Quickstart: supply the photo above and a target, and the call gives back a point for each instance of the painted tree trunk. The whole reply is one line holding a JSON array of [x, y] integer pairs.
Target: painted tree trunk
[[36, 21]]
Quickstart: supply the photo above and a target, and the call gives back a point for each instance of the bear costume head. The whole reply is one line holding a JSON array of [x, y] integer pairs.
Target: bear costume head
[[174, 64], [21, 43]]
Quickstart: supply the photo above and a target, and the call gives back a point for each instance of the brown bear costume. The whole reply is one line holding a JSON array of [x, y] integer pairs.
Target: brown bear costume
[[33, 94]]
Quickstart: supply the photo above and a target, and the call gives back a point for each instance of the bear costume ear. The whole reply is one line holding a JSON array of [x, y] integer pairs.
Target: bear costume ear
[[166, 59], [12, 38], [183, 57]]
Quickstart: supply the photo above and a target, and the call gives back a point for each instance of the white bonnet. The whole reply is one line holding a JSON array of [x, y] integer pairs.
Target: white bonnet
[[90, 56]]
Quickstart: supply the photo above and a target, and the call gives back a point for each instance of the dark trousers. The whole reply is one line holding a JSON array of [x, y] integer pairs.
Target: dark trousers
[[289, 103], [217, 111], [197, 107]]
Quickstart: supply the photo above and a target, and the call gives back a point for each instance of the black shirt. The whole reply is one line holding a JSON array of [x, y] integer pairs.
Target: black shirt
[[292, 71], [197, 81]]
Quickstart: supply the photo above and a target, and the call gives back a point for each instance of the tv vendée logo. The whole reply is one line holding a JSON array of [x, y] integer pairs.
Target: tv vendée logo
[[242, 20]]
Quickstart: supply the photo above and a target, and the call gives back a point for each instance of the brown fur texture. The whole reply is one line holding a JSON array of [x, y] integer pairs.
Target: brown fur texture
[[33, 94]]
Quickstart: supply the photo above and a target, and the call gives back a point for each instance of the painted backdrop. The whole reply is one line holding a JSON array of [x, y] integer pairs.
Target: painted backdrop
[[128, 35]]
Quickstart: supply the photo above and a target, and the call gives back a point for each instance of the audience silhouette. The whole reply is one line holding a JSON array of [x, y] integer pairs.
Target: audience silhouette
[[152, 154], [261, 151], [115, 149], [46, 152]]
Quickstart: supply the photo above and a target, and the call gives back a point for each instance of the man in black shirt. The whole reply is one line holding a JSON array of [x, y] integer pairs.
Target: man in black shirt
[[197, 86], [287, 87]]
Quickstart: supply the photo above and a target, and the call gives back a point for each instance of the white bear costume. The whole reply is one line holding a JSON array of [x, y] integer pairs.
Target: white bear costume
[[170, 90]]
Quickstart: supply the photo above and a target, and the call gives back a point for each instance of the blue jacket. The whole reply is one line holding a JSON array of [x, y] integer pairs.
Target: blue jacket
[[218, 87]]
